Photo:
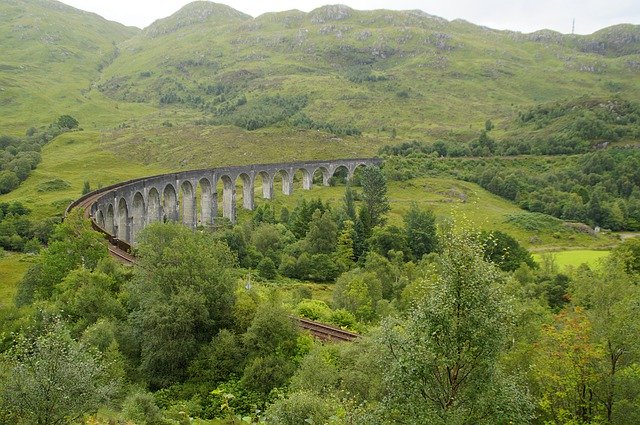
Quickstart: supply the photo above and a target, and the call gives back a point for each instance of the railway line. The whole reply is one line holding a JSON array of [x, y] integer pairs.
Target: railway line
[[121, 251], [324, 332]]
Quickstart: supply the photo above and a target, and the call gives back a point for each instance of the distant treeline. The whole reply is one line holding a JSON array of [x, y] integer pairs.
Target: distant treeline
[[20, 155], [601, 188]]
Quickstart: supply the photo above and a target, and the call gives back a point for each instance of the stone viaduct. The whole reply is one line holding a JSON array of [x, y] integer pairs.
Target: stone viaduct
[[191, 197]]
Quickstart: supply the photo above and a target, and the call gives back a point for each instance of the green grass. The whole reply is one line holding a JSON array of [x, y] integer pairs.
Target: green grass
[[12, 268], [73, 158], [576, 257]]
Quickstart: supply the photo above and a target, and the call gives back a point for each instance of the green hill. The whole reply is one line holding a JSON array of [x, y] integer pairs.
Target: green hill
[[377, 71], [51, 55]]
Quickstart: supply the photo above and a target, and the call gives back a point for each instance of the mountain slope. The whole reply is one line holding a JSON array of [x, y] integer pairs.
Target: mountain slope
[[50, 55], [409, 72]]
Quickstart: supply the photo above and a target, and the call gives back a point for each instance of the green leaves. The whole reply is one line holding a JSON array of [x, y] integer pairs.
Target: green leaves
[[443, 358]]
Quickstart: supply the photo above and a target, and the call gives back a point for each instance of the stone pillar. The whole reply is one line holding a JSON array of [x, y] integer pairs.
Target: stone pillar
[[351, 169], [325, 177], [188, 205], [109, 220], [229, 199], [154, 209], [207, 205], [307, 179], [247, 193], [287, 183], [267, 186]]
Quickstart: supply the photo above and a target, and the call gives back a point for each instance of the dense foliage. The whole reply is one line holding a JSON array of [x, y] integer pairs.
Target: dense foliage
[[599, 188], [458, 326], [20, 155], [18, 233]]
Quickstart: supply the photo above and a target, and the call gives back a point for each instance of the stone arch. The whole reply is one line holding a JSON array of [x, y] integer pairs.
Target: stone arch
[[207, 202], [123, 220], [109, 220], [100, 219], [138, 215], [188, 205], [341, 174], [170, 203], [154, 209], [355, 169], [326, 175], [247, 191], [267, 185]]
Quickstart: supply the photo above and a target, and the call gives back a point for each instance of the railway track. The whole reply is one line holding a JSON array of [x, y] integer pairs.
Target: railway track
[[120, 250], [324, 332]]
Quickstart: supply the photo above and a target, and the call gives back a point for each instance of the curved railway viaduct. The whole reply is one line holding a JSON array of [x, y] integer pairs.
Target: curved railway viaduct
[[191, 197]]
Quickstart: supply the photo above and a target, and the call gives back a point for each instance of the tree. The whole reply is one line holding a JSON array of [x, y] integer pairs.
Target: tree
[[362, 230], [349, 203], [67, 121], [74, 244], [420, 228], [344, 252], [387, 239], [271, 343], [374, 194], [8, 181], [267, 269], [629, 253], [358, 292], [52, 379], [322, 235], [609, 299], [443, 360], [182, 293], [86, 187], [504, 251], [565, 368]]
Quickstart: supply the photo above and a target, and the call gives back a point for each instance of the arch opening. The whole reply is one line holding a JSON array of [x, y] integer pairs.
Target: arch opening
[[321, 176], [109, 220], [169, 203], [100, 219], [340, 176]]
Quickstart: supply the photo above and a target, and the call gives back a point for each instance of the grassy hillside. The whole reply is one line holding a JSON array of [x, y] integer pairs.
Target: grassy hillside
[[383, 72], [51, 54]]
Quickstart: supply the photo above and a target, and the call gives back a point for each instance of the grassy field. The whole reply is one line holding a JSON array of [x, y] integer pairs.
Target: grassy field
[[576, 257], [12, 268], [73, 158]]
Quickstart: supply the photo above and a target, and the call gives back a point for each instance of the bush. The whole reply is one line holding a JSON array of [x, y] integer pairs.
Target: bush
[[267, 268], [67, 121], [314, 310], [300, 408]]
